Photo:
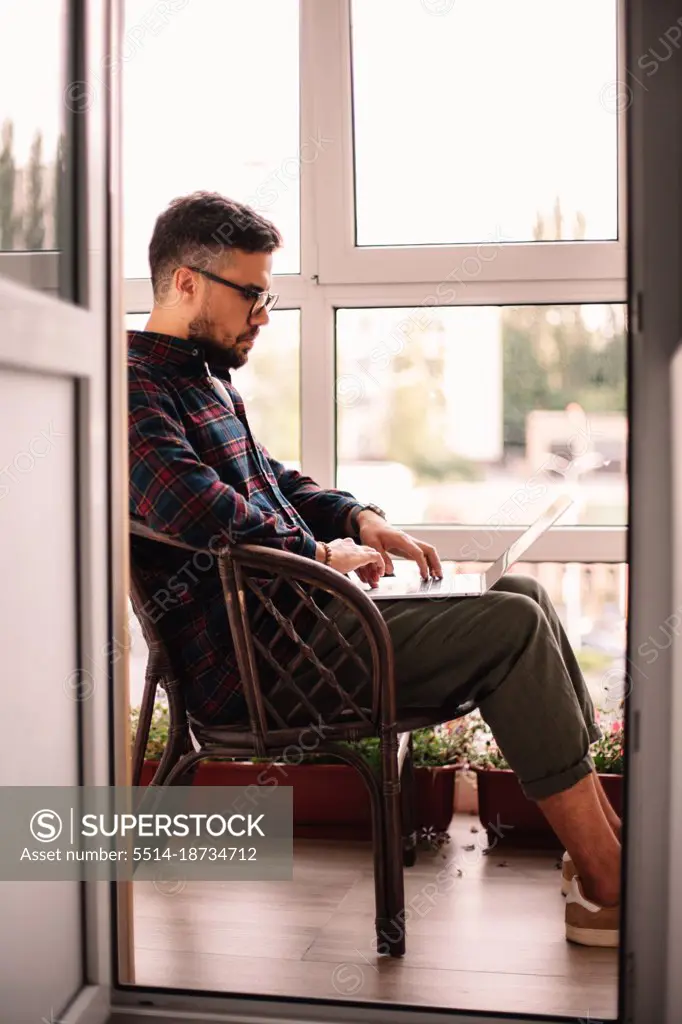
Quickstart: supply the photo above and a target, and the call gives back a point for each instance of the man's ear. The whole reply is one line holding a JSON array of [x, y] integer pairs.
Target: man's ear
[[185, 283]]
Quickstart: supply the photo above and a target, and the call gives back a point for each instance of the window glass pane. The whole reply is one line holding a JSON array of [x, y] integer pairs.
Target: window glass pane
[[476, 415], [32, 108], [269, 384], [484, 119], [211, 103]]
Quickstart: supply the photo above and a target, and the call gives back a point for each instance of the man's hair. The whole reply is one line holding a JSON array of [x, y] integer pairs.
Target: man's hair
[[199, 230]]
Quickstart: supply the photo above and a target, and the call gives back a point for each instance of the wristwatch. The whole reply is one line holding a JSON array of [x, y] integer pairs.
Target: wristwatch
[[355, 512]]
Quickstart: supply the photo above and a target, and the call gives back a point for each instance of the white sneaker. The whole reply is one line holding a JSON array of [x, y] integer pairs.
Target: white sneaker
[[589, 924], [568, 872]]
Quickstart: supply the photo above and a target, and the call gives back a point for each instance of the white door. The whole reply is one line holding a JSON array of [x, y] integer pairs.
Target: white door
[[55, 452]]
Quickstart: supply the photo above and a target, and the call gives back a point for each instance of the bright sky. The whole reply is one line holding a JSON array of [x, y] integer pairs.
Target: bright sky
[[466, 122], [31, 85], [211, 102], [469, 122]]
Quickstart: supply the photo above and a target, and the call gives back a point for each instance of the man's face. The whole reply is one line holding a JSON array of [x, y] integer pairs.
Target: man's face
[[221, 316]]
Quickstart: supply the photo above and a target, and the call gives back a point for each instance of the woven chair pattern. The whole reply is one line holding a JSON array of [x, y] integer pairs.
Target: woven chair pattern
[[289, 593]]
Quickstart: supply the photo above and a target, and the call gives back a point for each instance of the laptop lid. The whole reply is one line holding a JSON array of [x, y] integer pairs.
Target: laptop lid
[[522, 544]]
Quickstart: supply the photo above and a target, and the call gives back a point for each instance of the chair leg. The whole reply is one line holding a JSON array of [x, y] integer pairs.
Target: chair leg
[[386, 847], [182, 772], [143, 726], [391, 930], [383, 788], [408, 809], [382, 912], [175, 769], [179, 742]]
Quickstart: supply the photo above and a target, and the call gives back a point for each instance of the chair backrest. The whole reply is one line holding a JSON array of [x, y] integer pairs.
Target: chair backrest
[[159, 661], [160, 671]]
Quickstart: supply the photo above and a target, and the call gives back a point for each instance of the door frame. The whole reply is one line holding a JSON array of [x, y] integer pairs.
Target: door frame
[[79, 337], [650, 979]]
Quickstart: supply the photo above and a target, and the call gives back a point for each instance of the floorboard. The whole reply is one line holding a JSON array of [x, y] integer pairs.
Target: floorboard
[[489, 938]]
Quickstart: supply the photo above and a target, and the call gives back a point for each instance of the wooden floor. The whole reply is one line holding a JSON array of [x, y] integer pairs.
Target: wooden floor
[[494, 941]]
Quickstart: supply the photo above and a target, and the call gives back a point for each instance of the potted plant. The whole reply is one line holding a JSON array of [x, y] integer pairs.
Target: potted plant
[[507, 814], [462, 734], [437, 753], [158, 736]]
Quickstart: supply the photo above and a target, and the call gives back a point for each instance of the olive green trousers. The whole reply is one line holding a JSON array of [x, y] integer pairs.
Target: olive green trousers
[[508, 651]]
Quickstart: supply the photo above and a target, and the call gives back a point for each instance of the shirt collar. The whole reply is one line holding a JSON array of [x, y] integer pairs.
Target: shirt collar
[[167, 350]]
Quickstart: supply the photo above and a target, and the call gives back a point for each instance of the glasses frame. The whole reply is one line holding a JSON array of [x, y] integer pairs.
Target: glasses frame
[[268, 299]]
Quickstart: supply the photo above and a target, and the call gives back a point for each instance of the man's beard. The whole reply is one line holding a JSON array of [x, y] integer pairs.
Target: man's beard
[[203, 330]]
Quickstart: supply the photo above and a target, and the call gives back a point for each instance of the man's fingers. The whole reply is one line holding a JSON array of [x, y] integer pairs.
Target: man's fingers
[[378, 561], [433, 559], [408, 548], [419, 557], [373, 560], [369, 573], [388, 561]]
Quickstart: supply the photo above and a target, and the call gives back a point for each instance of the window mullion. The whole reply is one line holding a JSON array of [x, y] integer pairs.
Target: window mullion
[[327, 183], [560, 544], [318, 400]]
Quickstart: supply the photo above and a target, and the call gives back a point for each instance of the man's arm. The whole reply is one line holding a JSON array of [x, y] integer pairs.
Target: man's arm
[[327, 512], [177, 494]]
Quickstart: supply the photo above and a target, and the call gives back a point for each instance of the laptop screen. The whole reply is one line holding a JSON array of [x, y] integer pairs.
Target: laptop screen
[[523, 543]]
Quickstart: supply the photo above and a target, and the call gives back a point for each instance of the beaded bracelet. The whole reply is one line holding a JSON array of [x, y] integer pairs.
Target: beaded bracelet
[[327, 553]]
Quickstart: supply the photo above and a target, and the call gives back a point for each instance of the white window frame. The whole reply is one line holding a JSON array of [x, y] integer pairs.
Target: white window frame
[[335, 274], [341, 262]]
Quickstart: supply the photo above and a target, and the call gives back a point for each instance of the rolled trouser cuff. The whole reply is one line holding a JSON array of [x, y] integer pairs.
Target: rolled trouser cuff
[[594, 732], [540, 789]]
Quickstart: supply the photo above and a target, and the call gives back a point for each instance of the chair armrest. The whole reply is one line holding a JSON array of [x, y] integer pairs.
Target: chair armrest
[[270, 560], [233, 559], [294, 566]]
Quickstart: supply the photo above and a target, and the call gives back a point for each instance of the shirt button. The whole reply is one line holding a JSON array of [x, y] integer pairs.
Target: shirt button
[[195, 351]]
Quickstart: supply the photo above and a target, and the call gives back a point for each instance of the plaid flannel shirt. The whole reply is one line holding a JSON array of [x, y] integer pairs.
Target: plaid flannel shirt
[[198, 475]]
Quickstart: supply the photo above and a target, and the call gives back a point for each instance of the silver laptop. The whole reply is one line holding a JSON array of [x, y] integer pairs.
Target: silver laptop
[[407, 582]]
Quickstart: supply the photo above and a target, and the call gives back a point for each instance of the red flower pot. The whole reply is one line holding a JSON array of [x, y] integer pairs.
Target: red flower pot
[[330, 800], [509, 817]]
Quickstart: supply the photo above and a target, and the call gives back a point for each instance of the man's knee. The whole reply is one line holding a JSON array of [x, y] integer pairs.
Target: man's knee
[[526, 614], [518, 584]]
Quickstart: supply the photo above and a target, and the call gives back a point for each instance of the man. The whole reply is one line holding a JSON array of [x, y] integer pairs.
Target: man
[[197, 474]]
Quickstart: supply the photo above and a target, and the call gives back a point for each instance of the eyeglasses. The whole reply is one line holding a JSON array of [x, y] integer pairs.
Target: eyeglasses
[[261, 300]]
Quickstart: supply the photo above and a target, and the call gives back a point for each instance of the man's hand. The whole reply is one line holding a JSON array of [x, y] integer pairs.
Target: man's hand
[[346, 555], [376, 533]]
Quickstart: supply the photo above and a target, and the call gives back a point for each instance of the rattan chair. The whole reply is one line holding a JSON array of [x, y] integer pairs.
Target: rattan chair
[[279, 710]]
